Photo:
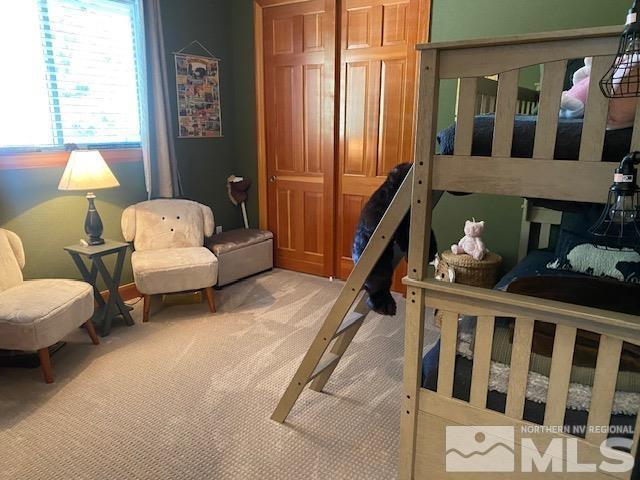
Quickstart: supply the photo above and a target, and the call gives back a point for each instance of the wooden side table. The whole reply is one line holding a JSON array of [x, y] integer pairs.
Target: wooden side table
[[114, 306]]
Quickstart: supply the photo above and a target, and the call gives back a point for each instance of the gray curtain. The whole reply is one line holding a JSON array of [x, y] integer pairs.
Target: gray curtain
[[159, 155]]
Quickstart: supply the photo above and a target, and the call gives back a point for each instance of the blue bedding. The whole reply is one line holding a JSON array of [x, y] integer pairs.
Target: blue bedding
[[616, 143], [533, 265]]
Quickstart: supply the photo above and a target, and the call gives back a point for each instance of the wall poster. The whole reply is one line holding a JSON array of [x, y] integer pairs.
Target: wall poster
[[198, 89]]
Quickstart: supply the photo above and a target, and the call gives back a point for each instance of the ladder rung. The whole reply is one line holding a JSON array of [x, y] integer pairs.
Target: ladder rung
[[327, 360], [351, 320]]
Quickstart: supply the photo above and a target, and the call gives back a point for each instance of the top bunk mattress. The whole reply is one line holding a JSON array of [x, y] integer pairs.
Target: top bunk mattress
[[617, 143]]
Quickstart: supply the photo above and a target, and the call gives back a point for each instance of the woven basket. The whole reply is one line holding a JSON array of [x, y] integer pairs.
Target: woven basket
[[477, 273]]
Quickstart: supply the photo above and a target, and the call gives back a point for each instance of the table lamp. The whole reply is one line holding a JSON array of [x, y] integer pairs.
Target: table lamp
[[86, 170]]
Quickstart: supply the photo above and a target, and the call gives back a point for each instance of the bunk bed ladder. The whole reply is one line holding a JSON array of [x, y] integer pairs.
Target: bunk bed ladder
[[343, 321]]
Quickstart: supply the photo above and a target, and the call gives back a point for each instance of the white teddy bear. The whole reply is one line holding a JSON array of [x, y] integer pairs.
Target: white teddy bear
[[471, 243]]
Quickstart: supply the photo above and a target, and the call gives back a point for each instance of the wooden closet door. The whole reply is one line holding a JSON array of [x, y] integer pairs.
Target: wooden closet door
[[377, 97], [299, 68]]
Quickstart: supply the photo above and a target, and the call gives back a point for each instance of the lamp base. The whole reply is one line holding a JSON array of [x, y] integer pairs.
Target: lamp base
[[95, 241], [93, 223]]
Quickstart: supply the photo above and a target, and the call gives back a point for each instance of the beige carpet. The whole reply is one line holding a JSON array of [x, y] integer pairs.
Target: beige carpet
[[189, 394]]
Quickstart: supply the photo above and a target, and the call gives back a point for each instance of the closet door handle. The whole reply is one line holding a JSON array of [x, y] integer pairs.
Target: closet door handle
[[273, 178]]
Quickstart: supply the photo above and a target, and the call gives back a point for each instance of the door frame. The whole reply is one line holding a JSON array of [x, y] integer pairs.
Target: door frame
[[261, 132]]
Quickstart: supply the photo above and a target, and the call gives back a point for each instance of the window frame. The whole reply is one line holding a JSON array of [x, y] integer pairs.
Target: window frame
[[58, 158]]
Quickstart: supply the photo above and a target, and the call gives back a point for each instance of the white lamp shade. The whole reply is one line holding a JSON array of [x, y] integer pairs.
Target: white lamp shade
[[86, 170]]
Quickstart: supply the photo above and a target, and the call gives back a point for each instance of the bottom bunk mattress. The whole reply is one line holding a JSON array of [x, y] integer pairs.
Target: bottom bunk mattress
[[579, 396]]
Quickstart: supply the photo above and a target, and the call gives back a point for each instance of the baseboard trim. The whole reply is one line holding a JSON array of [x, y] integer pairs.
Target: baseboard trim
[[127, 292]]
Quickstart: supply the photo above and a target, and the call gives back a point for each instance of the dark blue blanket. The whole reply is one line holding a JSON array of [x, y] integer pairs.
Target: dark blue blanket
[[616, 144]]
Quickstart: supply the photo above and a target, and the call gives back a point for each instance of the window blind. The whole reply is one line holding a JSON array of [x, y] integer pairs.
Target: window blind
[[73, 75]]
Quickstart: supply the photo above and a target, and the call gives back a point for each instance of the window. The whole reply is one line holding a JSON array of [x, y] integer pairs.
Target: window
[[70, 73]]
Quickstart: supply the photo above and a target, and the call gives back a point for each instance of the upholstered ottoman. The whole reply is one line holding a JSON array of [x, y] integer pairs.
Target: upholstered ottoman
[[241, 253]]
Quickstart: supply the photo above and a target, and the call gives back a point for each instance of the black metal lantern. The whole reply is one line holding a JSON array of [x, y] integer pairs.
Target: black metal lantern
[[619, 224], [623, 78]]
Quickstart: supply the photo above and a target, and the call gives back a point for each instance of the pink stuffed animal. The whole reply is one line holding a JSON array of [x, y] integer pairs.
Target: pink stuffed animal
[[471, 243], [622, 111]]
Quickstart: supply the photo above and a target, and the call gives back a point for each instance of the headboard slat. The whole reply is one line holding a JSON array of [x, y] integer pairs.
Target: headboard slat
[[547, 123], [560, 374], [447, 362], [466, 111], [519, 373], [481, 361], [595, 113], [603, 390], [604, 385], [505, 112]]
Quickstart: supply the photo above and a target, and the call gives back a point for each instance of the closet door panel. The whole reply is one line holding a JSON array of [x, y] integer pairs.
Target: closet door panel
[[313, 205], [286, 119], [299, 84], [313, 93], [358, 27], [394, 24], [351, 206], [377, 88], [357, 118], [392, 92], [313, 32], [285, 199]]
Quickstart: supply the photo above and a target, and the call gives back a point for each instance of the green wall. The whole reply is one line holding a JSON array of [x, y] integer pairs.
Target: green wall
[[205, 163], [244, 125], [465, 19], [47, 219]]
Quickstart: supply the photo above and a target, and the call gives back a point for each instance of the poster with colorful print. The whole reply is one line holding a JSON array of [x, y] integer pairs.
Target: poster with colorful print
[[198, 90]]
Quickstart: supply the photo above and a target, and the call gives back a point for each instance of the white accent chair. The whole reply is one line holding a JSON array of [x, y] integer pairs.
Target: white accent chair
[[168, 237], [36, 314]]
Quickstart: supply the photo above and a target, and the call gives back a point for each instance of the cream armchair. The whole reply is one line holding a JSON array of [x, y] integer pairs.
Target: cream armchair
[[168, 237], [35, 314]]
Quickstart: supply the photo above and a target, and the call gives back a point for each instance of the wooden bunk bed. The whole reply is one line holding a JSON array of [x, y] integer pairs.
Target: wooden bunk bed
[[427, 413]]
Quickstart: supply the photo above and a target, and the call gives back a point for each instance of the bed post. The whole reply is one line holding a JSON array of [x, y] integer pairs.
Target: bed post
[[421, 205]]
